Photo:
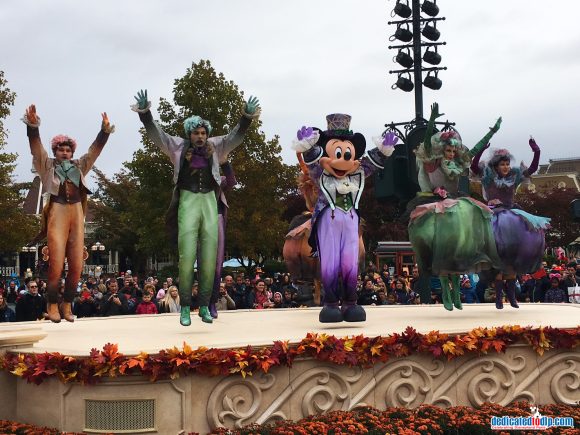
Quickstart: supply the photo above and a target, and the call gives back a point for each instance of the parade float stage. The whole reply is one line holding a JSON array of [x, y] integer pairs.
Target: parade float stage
[[197, 403]]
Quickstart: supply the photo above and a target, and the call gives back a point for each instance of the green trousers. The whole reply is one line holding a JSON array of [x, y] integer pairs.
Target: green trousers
[[197, 221]]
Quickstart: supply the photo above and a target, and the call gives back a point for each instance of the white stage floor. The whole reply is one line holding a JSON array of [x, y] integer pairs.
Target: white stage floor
[[150, 333]]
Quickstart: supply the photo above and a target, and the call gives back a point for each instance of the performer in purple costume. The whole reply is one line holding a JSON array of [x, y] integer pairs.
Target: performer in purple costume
[[228, 181], [334, 159], [519, 236]]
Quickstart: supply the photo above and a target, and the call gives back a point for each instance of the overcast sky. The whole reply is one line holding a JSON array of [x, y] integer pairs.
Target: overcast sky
[[302, 59]]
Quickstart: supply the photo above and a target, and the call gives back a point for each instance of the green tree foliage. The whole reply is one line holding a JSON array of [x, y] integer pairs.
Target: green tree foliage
[[118, 225], [554, 204], [255, 225], [16, 228]]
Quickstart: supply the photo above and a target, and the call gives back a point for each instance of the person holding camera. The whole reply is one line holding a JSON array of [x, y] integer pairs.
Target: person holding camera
[[113, 303], [224, 301]]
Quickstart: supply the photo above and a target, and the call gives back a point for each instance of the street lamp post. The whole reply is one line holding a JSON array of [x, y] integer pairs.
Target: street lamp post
[[97, 249], [29, 250]]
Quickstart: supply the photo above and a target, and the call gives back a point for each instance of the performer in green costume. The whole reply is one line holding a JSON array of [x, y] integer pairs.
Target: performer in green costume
[[193, 209], [451, 233]]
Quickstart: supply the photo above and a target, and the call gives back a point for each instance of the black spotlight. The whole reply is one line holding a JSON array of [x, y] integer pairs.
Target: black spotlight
[[404, 59], [402, 34], [404, 84], [432, 57], [430, 32], [430, 8], [402, 10], [432, 81]]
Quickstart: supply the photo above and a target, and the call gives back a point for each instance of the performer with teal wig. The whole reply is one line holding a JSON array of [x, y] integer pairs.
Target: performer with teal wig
[[450, 232], [193, 214]]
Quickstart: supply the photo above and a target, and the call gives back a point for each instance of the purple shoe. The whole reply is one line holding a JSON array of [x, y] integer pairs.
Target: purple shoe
[[213, 310]]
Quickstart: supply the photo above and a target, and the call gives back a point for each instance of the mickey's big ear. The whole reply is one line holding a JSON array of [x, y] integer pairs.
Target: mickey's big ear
[[322, 141], [360, 144]]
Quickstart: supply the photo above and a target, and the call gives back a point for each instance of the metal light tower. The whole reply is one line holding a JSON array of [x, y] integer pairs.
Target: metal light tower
[[422, 26], [417, 31]]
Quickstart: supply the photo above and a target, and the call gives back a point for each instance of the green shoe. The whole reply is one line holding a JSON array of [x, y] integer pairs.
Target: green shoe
[[457, 299], [185, 316], [205, 315], [446, 296]]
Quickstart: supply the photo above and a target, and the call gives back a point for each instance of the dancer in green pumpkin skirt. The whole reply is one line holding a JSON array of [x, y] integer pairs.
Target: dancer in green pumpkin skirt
[[451, 233]]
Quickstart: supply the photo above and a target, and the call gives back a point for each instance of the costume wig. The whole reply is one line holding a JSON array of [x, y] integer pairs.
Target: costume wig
[[194, 122], [63, 140], [500, 155]]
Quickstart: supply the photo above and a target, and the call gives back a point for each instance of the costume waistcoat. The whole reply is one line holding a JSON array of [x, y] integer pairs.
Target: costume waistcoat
[[196, 180], [344, 202], [68, 193]]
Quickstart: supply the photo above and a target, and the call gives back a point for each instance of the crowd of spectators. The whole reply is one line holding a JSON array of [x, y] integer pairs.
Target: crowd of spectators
[[556, 283], [127, 294]]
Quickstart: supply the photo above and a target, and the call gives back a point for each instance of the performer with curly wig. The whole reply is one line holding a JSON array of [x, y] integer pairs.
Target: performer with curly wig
[[193, 213], [450, 232], [64, 214], [519, 236]]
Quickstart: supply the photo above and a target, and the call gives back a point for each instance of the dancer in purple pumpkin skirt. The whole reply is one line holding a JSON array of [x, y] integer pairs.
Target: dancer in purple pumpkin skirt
[[519, 235]]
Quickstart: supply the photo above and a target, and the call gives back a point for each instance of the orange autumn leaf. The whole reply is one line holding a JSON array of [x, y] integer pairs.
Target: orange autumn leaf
[[449, 347]]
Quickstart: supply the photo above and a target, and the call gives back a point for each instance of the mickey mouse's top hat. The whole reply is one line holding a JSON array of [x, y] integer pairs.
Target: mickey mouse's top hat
[[338, 123]]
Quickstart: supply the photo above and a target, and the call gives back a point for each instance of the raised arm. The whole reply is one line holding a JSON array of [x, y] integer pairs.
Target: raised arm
[[475, 162], [534, 165], [385, 146], [39, 155], [226, 144], [430, 126], [306, 144], [87, 161], [485, 139], [169, 145]]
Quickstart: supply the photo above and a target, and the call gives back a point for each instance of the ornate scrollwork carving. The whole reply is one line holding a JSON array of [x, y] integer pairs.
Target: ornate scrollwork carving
[[332, 390], [568, 378], [403, 382], [491, 379], [411, 383], [242, 407], [325, 396]]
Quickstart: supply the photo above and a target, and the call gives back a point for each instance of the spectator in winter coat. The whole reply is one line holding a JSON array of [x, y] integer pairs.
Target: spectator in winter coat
[[259, 297], [468, 290], [146, 306], [555, 293], [113, 303], [368, 295], [224, 301], [170, 303], [85, 305], [6, 313], [403, 294], [30, 305]]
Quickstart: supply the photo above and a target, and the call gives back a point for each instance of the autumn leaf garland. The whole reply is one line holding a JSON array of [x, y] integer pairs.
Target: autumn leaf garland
[[351, 351]]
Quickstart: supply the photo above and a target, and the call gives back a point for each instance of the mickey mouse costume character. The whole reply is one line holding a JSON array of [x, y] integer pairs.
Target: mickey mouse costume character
[[336, 164]]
